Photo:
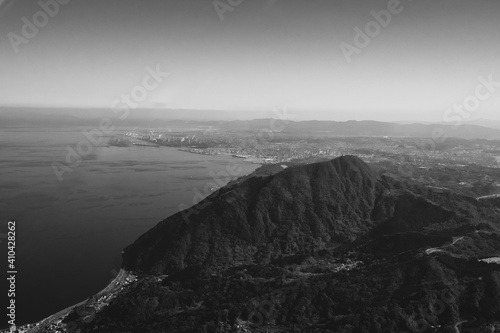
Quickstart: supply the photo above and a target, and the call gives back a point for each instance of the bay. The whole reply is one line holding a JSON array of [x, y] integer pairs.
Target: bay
[[70, 233]]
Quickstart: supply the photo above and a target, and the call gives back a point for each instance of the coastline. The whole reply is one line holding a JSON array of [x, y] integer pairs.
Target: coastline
[[200, 151], [122, 279]]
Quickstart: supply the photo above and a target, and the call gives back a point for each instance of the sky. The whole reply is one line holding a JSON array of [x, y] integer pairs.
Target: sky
[[253, 56]]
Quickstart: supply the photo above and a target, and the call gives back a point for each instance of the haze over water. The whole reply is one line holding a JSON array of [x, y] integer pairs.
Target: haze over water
[[70, 234], [90, 56]]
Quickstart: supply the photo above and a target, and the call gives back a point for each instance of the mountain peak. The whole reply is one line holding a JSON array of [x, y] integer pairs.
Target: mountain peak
[[295, 210]]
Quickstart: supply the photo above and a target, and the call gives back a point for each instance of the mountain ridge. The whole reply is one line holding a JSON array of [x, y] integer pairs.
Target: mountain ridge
[[255, 223], [326, 247], [438, 131], [308, 206]]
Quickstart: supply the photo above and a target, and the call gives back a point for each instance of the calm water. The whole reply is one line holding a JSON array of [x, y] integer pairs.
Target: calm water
[[70, 234]]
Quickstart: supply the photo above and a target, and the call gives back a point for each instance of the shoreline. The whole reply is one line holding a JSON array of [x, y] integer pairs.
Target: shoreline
[[109, 291], [250, 159]]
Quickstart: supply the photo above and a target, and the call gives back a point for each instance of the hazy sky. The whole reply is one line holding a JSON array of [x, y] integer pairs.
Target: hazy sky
[[264, 54]]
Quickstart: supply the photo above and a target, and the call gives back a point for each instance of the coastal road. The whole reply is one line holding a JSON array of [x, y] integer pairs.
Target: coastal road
[[112, 287]]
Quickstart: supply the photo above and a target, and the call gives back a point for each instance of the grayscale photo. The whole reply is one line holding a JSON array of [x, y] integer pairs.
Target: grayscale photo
[[250, 166]]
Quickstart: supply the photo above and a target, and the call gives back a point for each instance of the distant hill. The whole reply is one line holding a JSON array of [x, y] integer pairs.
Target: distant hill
[[484, 122], [17, 116], [365, 128]]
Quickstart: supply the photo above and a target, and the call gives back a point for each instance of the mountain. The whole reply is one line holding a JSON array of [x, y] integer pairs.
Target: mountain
[[326, 247], [292, 211], [485, 123], [179, 119], [366, 128]]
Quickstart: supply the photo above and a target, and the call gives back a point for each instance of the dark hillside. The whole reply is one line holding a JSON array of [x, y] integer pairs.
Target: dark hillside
[[326, 247]]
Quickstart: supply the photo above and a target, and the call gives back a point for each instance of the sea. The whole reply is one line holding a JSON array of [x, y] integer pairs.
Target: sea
[[71, 230]]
